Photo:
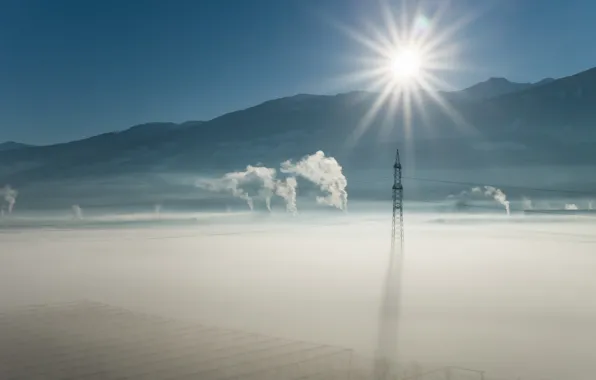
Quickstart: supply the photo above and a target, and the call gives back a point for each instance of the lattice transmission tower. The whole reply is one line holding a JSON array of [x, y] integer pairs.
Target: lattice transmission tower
[[387, 350], [397, 231]]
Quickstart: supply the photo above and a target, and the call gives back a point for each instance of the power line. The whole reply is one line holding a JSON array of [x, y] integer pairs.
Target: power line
[[472, 184], [492, 208], [579, 192]]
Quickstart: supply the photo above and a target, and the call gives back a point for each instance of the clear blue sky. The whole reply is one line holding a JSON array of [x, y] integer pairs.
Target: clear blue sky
[[71, 69]]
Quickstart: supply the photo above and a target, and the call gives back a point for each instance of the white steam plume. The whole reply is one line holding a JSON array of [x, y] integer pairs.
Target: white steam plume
[[287, 190], [261, 182], [77, 212], [527, 203], [260, 179], [267, 176], [571, 206], [497, 194], [324, 172], [10, 197], [487, 191]]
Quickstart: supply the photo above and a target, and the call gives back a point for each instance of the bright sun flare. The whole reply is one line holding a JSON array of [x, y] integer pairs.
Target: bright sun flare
[[406, 64], [402, 63]]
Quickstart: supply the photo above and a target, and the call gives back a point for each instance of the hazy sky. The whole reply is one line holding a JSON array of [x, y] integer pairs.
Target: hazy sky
[[71, 69]]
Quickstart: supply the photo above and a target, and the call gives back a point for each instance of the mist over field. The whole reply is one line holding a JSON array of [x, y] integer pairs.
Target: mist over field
[[509, 295]]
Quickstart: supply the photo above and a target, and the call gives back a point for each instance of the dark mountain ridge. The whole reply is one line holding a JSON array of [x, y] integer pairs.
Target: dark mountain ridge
[[11, 145], [542, 123]]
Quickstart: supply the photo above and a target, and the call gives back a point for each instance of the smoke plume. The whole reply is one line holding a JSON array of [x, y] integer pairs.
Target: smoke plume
[[527, 203], [77, 212], [590, 207], [257, 180], [236, 183], [497, 194], [571, 206], [10, 197], [157, 210], [287, 190], [326, 173], [486, 191]]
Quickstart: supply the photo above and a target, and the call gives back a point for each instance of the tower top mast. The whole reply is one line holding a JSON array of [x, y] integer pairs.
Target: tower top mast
[[397, 233]]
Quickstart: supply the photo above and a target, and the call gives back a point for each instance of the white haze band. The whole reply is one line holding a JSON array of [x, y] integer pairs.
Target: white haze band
[[325, 172]]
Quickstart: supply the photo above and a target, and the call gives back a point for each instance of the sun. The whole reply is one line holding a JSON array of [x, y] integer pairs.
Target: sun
[[405, 60], [406, 64]]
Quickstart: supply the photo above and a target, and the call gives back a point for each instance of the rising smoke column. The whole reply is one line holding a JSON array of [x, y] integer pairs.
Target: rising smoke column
[[77, 212], [527, 203], [323, 171], [287, 190], [233, 183], [494, 193], [486, 191], [267, 176], [326, 173], [260, 179], [10, 197]]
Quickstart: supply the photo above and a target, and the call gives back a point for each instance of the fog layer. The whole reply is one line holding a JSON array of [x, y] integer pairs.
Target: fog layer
[[514, 296]]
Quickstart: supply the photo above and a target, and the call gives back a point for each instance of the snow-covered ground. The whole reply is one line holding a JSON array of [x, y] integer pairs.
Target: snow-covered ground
[[511, 296]]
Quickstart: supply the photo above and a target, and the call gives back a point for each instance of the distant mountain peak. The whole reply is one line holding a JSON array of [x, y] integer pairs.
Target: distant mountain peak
[[152, 125], [494, 87], [497, 80]]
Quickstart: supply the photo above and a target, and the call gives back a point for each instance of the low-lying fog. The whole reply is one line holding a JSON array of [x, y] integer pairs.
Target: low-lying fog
[[513, 296]]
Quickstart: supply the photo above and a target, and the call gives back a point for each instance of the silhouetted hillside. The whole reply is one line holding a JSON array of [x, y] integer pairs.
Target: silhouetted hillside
[[11, 145], [544, 123]]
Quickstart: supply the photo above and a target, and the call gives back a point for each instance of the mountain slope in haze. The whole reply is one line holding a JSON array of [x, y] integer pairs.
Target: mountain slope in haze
[[492, 88], [545, 123], [562, 108], [11, 145]]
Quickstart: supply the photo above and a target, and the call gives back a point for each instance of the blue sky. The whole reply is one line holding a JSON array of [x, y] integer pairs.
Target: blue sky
[[71, 69]]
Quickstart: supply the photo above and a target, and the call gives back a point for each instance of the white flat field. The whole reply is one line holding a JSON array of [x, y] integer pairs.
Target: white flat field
[[512, 296]]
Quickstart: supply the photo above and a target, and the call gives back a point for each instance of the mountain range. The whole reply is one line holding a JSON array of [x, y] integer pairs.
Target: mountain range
[[11, 145], [496, 123]]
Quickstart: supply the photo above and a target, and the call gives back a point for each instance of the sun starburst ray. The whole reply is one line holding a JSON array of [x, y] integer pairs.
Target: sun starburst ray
[[412, 51], [370, 115], [390, 116], [451, 112]]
